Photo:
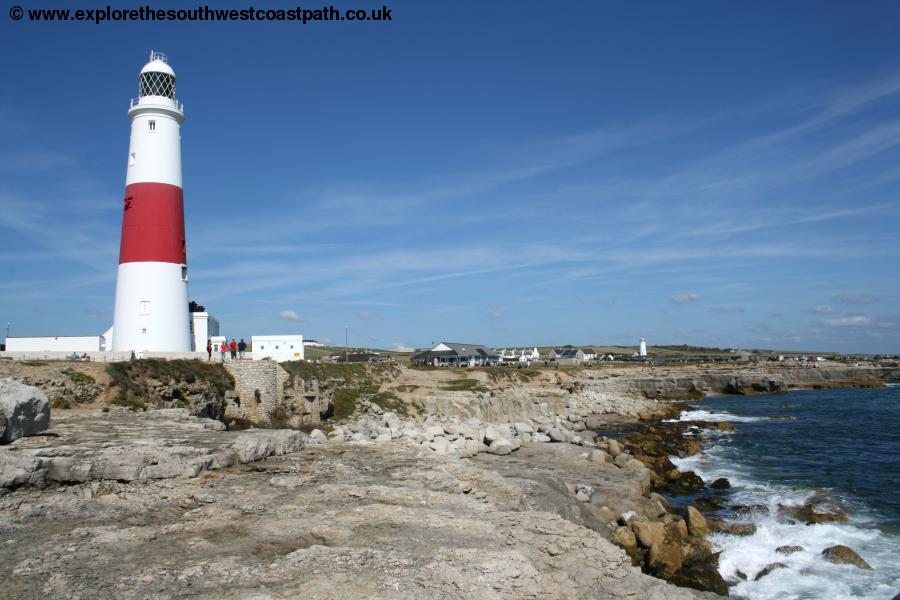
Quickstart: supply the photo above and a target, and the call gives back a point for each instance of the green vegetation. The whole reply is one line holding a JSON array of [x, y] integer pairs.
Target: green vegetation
[[128, 402], [130, 377], [353, 383], [464, 385], [510, 374], [78, 376], [61, 402]]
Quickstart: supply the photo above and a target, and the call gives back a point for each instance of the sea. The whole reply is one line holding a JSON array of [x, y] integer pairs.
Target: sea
[[840, 444]]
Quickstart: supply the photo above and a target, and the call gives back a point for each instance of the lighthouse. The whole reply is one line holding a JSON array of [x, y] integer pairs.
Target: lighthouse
[[151, 310]]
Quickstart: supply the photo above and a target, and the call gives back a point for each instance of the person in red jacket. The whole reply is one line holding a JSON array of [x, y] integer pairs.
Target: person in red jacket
[[233, 348]]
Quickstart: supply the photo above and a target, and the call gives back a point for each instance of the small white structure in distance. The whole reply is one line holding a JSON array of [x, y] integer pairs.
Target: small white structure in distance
[[277, 347], [217, 342], [642, 351], [203, 328], [314, 343], [58, 343]]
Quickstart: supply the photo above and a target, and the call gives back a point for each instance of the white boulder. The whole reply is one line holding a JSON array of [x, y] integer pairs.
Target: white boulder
[[24, 409]]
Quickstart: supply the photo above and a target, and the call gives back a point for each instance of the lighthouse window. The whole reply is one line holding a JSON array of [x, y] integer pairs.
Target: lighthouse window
[[151, 125], [183, 273], [157, 84]]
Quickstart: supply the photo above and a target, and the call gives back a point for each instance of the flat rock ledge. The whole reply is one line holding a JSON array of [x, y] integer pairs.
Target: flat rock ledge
[[338, 520], [126, 446]]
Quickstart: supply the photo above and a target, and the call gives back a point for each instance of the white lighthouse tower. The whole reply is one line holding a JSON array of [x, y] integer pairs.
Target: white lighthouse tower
[[642, 348], [151, 311]]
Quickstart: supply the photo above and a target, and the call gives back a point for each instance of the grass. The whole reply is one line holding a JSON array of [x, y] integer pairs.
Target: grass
[[464, 385], [78, 376]]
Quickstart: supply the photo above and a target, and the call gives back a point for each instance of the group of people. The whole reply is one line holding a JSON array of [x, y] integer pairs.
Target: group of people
[[236, 349]]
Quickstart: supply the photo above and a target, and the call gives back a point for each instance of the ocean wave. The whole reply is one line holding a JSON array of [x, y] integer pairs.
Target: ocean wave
[[806, 575], [708, 415]]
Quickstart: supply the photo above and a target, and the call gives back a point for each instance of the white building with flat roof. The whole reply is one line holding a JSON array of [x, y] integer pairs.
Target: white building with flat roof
[[55, 343], [277, 347]]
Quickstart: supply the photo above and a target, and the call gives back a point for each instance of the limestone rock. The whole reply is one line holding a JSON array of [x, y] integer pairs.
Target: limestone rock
[[648, 532], [842, 555], [696, 523], [25, 410], [317, 436], [664, 559], [524, 428], [500, 446], [613, 447], [788, 549], [600, 456]]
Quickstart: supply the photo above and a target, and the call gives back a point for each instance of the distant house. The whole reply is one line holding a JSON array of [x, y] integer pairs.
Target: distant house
[[589, 354], [568, 356], [451, 354], [314, 343]]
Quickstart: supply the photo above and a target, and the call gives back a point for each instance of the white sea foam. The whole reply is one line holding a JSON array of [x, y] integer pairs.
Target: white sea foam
[[707, 415], [807, 574]]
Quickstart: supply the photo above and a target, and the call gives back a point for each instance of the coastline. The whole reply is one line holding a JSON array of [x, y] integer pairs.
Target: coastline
[[573, 494]]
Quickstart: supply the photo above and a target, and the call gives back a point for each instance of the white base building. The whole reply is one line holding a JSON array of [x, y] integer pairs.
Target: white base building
[[59, 343], [277, 347]]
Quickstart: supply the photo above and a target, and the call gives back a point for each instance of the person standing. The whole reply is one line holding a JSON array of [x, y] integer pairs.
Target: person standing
[[209, 350], [222, 349], [242, 347], [233, 349]]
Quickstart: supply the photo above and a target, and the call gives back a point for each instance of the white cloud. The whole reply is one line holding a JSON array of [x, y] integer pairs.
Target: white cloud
[[856, 298], [822, 309], [684, 298], [852, 321], [289, 315]]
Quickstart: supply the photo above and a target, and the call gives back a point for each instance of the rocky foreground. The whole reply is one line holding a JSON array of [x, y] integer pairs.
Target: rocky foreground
[[523, 500], [335, 520]]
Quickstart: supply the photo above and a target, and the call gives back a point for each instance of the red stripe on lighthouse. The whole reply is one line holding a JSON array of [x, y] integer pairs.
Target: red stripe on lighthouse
[[153, 224]]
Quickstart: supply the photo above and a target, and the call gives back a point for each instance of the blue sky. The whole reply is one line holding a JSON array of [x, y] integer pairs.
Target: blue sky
[[506, 173]]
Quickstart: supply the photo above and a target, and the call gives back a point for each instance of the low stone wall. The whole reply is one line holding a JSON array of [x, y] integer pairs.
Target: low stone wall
[[260, 389]]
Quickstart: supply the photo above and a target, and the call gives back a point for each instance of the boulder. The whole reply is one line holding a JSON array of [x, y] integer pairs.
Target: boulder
[[768, 569], [720, 484], [540, 438], [25, 411], [696, 523], [648, 532], [664, 559], [842, 555], [558, 435], [788, 549], [624, 538], [721, 526], [676, 531], [524, 428], [701, 576], [433, 431], [613, 447], [317, 436], [600, 456], [584, 492], [500, 446]]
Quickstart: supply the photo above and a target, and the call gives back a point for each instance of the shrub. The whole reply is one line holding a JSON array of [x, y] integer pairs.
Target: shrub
[[78, 376], [60, 402]]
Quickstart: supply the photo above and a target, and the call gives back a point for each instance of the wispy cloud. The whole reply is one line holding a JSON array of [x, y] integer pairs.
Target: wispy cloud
[[684, 297], [289, 315], [855, 298], [851, 321], [824, 309]]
